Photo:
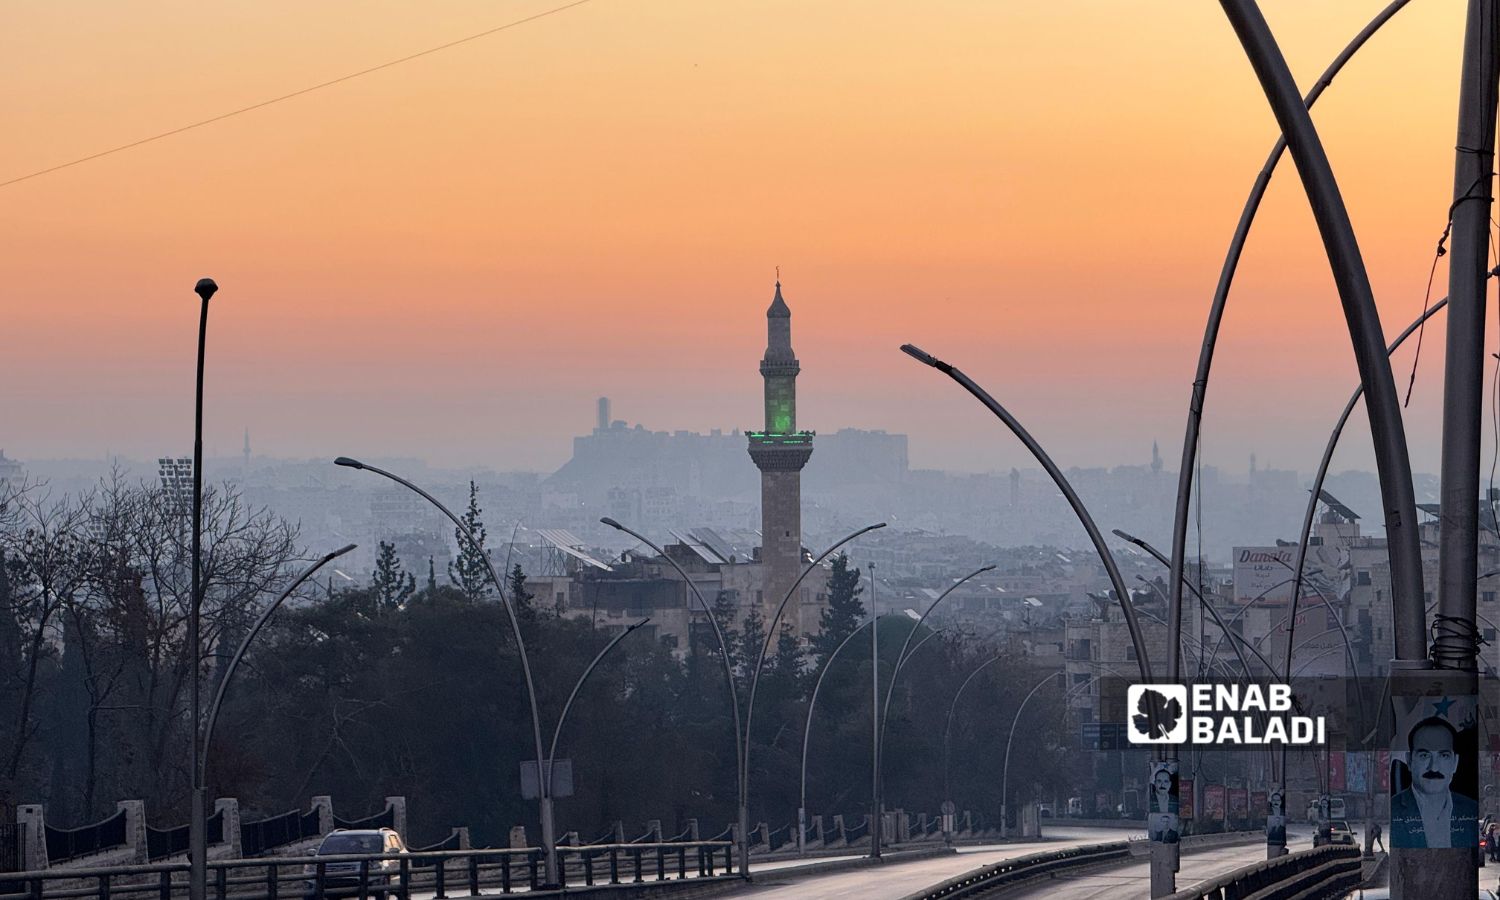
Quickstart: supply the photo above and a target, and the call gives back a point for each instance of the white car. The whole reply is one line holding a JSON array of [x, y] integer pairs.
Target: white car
[[342, 877]]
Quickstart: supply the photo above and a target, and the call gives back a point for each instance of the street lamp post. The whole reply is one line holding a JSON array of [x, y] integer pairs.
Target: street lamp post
[[234, 661], [760, 662], [544, 796], [1005, 769], [743, 817], [885, 707], [1164, 856], [812, 704], [562, 717], [197, 844]]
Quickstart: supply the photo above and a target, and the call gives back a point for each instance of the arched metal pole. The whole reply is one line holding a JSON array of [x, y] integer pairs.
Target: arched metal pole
[[1221, 297], [1316, 492], [1079, 510], [760, 661], [948, 723], [890, 689], [812, 704], [549, 836], [1005, 769], [743, 839], [1392, 460], [563, 716], [234, 661]]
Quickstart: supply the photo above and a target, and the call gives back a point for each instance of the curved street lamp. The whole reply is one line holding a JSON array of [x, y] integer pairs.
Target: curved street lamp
[[812, 704], [234, 661], [544, 796], [885, 707], [562, 717], [743, 839], [760, 662], [1079, 510]]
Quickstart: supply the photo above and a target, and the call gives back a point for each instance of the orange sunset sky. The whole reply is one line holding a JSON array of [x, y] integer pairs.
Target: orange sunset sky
[[452, 257]]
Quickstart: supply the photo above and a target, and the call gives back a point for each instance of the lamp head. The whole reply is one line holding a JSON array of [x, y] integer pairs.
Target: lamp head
[[989, 568], [347, 462], [612, 523], [206, 288]]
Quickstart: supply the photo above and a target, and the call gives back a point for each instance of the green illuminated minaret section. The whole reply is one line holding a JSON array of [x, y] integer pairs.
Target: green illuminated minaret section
[[780, 452]]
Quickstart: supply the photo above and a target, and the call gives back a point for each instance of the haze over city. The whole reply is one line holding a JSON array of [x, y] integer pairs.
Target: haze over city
[[450, 258], [586, 449]]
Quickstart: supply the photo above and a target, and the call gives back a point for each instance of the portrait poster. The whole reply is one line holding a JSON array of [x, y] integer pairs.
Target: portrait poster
[[1434, 755]]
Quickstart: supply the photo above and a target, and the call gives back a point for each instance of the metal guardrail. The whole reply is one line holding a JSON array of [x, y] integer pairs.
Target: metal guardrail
[[464, 873], [1321, 874], [978, 881]]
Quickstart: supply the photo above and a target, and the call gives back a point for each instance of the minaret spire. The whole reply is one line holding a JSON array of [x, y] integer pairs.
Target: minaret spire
[[780, 452]]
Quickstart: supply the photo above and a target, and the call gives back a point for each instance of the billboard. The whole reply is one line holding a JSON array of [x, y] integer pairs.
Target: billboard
[[1337, 783], [1263, 572]]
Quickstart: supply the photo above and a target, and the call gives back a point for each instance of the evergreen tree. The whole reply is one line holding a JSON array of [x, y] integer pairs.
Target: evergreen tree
[[522, 598], [431, 576], [845, 612], [392, 586], [469, 572]]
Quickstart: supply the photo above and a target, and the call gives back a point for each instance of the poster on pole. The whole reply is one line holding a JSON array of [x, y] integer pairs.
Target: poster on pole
[[1162, 822], [1336, 771], [1185, 798], [1213, 802], [1434, 757]]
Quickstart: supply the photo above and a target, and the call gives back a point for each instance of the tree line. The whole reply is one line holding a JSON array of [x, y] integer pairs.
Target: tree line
[[410, 684]]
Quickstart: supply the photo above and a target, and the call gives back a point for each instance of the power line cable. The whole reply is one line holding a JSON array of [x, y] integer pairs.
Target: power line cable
[[298, 93]]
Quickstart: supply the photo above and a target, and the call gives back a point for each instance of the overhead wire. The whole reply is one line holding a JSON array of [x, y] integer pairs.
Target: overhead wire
[[298, 93]]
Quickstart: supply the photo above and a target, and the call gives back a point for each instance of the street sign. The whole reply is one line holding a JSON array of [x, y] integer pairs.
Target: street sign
[[1103, 736], [562, 780]]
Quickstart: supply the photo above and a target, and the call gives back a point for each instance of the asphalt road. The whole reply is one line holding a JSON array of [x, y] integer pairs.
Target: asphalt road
[[1132, 881], [895, 880]]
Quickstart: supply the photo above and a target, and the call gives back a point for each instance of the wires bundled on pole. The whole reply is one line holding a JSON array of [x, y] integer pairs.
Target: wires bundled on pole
[[1455, 642]]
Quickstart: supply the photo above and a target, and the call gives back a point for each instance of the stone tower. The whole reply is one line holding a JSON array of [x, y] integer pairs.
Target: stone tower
[[780, 452]]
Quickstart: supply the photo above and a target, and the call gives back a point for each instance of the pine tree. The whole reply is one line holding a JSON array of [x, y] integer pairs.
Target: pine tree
[[392, 586], [845, 612], [522, 598], [431, 577], [469, 572]]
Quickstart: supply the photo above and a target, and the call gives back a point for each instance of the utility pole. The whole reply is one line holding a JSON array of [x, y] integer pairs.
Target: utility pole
[[875, 813], [1449, 871]]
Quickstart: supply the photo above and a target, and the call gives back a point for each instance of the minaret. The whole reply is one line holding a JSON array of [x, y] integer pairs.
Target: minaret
[[780, 452]]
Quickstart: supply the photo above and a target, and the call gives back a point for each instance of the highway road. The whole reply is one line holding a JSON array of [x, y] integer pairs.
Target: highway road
[[895, 880], [1132, 881]]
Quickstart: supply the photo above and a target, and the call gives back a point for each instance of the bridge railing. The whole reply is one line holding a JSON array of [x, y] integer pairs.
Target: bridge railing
[[446, 873], [1330, 871]]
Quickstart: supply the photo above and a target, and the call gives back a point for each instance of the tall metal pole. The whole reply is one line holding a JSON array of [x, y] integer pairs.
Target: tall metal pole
[[765, 647], [1455, 648], [890, 689], [562, 717], [234, 661], [1005, 769], [743, 817], [197, 839], [875, 812], [812, 705], [1164, 856], [1392, 462], [1137, 640], [544, 799]]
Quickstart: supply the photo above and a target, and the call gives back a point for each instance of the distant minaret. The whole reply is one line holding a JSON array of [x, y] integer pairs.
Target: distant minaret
[[1155, 459], [247, 450], [1015, 488], [780, 452]]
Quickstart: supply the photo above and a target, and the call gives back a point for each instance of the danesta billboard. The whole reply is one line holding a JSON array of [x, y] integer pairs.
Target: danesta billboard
[[1264, 573]]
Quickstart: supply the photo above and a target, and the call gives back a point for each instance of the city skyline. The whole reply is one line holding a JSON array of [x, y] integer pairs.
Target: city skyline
[[439, 259]]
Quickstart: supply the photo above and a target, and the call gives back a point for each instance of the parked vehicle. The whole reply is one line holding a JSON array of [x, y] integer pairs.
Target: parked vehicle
[[343, 876]]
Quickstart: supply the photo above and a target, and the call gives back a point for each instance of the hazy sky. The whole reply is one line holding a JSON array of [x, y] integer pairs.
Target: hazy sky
[[454, 256]]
